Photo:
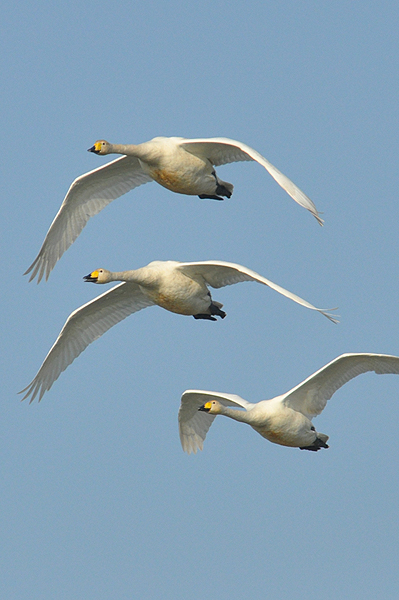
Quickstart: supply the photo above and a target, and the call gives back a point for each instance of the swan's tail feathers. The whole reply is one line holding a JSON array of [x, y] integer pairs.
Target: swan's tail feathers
[[320, 442], [217, 304]]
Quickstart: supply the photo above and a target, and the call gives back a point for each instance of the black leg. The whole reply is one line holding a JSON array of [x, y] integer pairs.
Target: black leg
[[223, 191], [317, 444], [210, 197], [215, 310], [207, 317]]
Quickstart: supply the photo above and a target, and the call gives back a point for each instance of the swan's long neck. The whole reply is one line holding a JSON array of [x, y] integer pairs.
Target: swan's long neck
[[127, 149], [238, 415], [140, 276]]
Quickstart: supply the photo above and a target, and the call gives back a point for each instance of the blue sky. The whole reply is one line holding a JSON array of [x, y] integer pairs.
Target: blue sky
[[98, 501]]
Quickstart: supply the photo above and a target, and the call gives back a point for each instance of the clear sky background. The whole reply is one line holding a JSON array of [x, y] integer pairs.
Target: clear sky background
[[97, 499]]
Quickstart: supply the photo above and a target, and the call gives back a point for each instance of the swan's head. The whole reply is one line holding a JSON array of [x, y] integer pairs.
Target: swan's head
[[98, 276], [212, 407], [100, 147]]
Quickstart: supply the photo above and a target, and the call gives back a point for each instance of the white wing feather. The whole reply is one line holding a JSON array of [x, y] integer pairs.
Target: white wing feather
[[194, 424], [86, 197], [219, 274], [311, 396], [82, 327], [220, 151]]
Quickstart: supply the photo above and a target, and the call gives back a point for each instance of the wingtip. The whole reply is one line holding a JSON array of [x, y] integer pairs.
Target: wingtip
[[35, 268], [26, 395], [31, 390], [331, 317], [28, 270], [317, 216]]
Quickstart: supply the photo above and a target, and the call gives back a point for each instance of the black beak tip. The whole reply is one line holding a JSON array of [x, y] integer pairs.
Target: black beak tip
[[203, 409], [88, 278], [92, 149]]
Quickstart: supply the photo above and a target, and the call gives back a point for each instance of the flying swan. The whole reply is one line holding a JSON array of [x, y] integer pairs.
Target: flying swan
[[285, 419], [178, 287], [181, 165]]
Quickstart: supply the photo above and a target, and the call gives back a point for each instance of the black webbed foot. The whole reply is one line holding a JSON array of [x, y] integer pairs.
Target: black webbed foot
[[215, 310], [223, 191], [317, 444], [207, 317], [312, 448], [210, 197]]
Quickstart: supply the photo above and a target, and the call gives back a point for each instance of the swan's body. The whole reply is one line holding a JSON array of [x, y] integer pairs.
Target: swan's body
[[178, 287], [181, 165], [285, 419]]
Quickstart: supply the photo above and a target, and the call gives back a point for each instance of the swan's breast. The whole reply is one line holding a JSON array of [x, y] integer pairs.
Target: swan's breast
[[172, 180], [275, 436], [174, 304], [180, 294], [180, 171], [287, 428]]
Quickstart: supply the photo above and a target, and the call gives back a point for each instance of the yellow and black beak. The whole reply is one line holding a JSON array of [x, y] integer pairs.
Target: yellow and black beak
[[96, 148], [205, 407], [91, 277]]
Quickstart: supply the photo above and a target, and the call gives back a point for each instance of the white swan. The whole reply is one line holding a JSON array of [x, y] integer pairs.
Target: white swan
[[178, 287], [182, 165], [284, 419]]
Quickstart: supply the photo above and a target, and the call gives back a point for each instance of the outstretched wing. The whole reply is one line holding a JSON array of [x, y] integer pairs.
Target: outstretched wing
[[82, 327], [87, 195], [219, 273], [194, 424], [311, 396], [220, 151]]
